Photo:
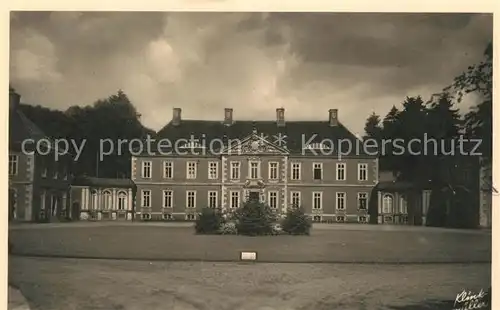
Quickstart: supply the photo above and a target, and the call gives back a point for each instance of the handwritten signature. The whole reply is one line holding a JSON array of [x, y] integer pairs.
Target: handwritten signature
[[467, 300]]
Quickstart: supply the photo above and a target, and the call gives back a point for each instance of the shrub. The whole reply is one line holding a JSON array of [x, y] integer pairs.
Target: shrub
[[209, 221], [254, 219], [296, 222], [228, 229]]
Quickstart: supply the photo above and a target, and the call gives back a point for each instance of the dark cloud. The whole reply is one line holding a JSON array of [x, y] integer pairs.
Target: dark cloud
[[253, 62]]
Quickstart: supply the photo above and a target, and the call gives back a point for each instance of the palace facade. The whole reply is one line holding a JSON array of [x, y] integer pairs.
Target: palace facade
[[221, 164]]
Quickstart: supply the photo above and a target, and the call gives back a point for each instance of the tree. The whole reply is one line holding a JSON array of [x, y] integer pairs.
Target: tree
[[373, 127], [254, 219], [296, 222], [209, 221]]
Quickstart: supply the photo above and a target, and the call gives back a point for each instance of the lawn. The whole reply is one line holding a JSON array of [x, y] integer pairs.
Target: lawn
[[324, 245], [70, 284]]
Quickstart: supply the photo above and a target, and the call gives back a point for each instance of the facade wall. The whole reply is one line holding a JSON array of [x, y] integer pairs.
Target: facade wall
[[179, 184], [102, 203]]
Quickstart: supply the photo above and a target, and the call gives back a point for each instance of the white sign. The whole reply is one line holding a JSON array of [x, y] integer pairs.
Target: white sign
[[248, 255]]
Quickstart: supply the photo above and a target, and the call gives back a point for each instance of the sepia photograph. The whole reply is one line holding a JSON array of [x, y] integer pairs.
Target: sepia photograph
[[250, 160]]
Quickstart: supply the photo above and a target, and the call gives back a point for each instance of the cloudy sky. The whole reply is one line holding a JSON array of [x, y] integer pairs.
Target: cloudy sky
[[252, 62]]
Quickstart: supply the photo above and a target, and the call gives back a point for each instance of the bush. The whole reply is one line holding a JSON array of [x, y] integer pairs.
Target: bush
[[228, 229], [254, 219], [296, 222], [209, 221]]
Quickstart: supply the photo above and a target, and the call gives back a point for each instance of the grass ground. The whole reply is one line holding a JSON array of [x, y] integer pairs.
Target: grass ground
[[70, 284], [180, 243]]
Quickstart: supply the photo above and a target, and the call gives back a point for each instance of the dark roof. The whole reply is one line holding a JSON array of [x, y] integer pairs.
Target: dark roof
[[103, 182], [296, 133], [21, 129], [394, 186]]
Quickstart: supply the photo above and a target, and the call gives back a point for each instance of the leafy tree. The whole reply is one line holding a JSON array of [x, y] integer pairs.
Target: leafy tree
[[296, 222], [209, 221], [373, 127], [254, 219]]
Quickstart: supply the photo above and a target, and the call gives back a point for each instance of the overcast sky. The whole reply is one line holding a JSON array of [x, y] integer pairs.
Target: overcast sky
[[254, 63]]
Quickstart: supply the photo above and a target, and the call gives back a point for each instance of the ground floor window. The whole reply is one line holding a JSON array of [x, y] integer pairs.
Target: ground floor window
[[167, 216], [190, 217], [404, 219], [317, 218], [388, 219], [145, 216], [340, 219], [362, 219]]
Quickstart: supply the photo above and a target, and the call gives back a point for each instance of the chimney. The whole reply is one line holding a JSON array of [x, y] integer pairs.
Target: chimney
[[176, 118], [228, 116], [333, 117], [14, 99], [280, 117]]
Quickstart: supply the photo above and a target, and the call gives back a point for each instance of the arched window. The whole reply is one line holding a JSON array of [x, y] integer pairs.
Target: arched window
[[108, 202], [122, 200], [93, 200], [403, 205], [387, 204]]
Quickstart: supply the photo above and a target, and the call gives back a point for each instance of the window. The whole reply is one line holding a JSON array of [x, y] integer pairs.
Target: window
[[340, 219], [55, 173], [42, 201], [65, 173], [191, 199], [212, 199], [190, 217], [273, 199], [362, 201], [295, 171], [405, 219], [362, 219], [317, 218], [403, 205], [362, 172], [213, 170], [13, 164], [122, 200], [167, 216], [146, 199], [317, 171], [235, 200], [341, 175], [254, 169], [44, 171], [168, 170], [235, 170], [145, 216], [168, 199], [53, 205], [191, 170], [273, 171], [93, 199], [295, 199], [387, 219], [340, 201], [387, 204], [317, 200], [146, 169], [108, 200]]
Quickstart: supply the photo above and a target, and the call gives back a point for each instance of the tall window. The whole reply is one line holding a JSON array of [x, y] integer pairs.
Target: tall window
[[213, 170], [146, 198], [168, 170], [167, 198], [387, 204], [317, 200], [191, 199], [108, 200], [317, 171], [146, 169], [362, 201], [273, 171], [273, 199], [235, 170], [191, 170], [362, 172], [340, 201], [55, 172], [13, 164], [295, 171], [235, 200], [403, 205], [53, 205], [212, 199], [254, 169], [295, 199], [42, 200], [93, 199], [341, 175], [122, 200]]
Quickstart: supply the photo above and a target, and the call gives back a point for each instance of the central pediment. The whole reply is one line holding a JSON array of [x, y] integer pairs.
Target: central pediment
[[257, 144]]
